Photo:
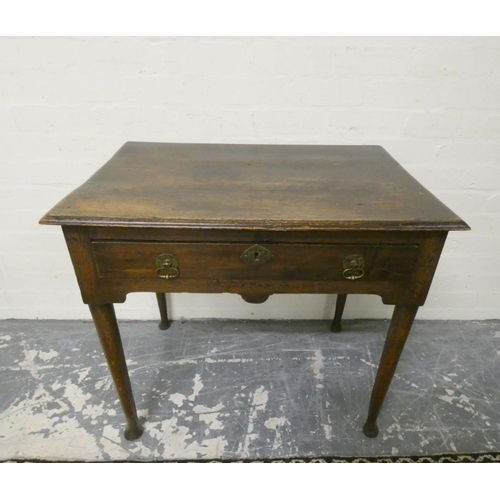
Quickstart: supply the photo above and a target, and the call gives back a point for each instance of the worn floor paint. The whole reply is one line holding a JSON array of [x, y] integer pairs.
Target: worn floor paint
[[241, 389]]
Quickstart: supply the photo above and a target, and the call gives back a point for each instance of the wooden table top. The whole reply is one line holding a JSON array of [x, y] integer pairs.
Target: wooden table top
[[270, 187]]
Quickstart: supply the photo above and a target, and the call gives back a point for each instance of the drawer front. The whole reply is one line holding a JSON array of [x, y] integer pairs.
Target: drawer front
[[244, 261]]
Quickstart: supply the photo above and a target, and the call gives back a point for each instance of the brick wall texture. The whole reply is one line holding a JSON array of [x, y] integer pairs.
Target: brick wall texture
[[67, 104]]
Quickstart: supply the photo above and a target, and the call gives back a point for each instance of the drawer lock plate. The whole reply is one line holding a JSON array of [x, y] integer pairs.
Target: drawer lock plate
[[256, 255]]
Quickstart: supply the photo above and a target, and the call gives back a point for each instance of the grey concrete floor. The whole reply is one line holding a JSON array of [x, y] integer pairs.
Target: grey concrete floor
[[247, 389]]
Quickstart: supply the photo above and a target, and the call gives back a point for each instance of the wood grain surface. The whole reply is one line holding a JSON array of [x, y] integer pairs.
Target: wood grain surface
[[255, 187]]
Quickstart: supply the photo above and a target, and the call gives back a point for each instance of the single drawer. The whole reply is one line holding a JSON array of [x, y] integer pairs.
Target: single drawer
[[244, 261]]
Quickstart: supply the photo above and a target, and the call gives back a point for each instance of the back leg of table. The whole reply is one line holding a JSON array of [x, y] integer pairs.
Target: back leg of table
[[339, 310], [162, 304]]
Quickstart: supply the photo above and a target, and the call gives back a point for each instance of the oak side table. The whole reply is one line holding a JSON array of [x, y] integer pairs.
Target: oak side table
[[254, 220]]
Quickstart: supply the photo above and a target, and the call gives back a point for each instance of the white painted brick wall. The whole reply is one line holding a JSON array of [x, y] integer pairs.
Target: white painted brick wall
[[67, 104]]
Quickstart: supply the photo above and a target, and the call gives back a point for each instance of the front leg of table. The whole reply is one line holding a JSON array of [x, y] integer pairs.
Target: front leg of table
[[109, 336], [399, 328]]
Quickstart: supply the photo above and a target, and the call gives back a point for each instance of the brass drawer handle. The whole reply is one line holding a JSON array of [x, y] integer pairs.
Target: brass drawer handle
[[166, 266], [354, 267]]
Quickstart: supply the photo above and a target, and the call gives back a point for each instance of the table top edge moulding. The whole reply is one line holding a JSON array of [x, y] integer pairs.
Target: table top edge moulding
[[254, 220]]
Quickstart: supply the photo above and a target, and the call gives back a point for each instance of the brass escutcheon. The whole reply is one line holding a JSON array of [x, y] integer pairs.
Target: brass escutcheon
[[256, 255], [166, 266], [354, 267]]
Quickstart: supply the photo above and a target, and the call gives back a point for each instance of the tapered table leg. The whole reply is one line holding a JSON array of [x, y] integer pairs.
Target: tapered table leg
[[109, 335], [162, 304], [339, 310], [400, 326]]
